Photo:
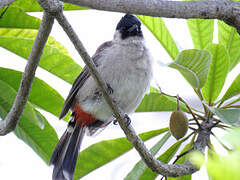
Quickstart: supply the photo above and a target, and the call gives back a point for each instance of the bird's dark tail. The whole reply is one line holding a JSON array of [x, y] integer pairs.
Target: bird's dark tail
[[65, 155]]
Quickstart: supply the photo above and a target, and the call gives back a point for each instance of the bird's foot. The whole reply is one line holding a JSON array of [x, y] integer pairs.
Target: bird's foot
[[128, 120], [126, 117], [110, 89]]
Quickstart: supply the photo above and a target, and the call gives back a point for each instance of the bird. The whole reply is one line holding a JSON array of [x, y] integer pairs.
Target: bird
[[125, 63]]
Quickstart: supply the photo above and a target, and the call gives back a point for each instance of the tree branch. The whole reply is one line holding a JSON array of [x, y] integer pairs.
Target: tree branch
[[11, 120], [149, 159], [225, 10]]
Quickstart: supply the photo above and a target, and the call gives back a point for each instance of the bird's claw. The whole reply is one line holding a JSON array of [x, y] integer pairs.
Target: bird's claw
[[115, 122], [110, 89], [128, 120]]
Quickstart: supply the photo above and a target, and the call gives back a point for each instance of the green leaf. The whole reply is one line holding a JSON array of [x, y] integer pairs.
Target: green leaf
[[233, 90], [103, 152], [228, 37], [233, 138], [157, 26], [182, 160], [221, 167], [55, 58], [165, 158], [41, 140], [7, 97], [33, 6], [140, 167], [201, 31], [228, 116], [193, 64], [41, 95], [155, 101], [217, 72], [15, 17]]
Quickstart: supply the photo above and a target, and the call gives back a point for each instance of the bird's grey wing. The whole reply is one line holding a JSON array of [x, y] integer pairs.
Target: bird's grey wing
[[83, 76]]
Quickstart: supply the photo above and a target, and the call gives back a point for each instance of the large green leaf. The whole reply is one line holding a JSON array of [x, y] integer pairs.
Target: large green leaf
[[140, 167], [201, 31], [228, 116], [33, 6], [193, 64], [7, 96], [229, 37], [15, 17], [160, 31], [55, 58], [103, 152], [233, 90], [217, 72], [41, 140], [155, 101], [165, 158], [41, 95]]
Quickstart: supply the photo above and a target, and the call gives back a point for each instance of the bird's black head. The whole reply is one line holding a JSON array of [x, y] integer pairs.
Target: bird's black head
[[129, 26]]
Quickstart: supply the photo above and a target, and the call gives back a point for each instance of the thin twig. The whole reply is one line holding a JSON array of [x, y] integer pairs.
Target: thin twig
[[181, 155], [180, 99], [192, 128], [11, 120], [231, 106]]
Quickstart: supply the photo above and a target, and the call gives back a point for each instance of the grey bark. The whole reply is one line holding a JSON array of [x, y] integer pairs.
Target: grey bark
[[11, 120], [226, 10]]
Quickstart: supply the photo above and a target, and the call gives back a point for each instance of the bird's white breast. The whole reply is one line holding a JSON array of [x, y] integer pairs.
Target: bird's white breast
[[127, 69]]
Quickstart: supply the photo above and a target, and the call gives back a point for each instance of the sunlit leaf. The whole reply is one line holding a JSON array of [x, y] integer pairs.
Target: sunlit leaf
[[154, 101], [229, 37], [103, 152], [41, 94], [233, 90], [33, 6], [55, 58], [7, 96], [233, 138], [201, 31], [140, 167], [193, 64], [220, 167], [160, 31], [165, 158], [217, 72], [15, 17], [41, 139]]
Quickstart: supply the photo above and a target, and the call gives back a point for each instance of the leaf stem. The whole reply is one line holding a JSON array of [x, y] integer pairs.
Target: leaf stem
[[180, 99]]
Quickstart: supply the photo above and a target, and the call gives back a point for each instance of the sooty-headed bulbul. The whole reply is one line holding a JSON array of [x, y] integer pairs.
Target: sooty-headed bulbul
[[126, 65]]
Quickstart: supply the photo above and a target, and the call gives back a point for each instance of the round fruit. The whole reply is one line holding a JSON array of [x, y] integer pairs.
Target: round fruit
[[178, 124]]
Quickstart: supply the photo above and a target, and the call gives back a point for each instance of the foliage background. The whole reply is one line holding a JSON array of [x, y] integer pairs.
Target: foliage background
[[89, 27]]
